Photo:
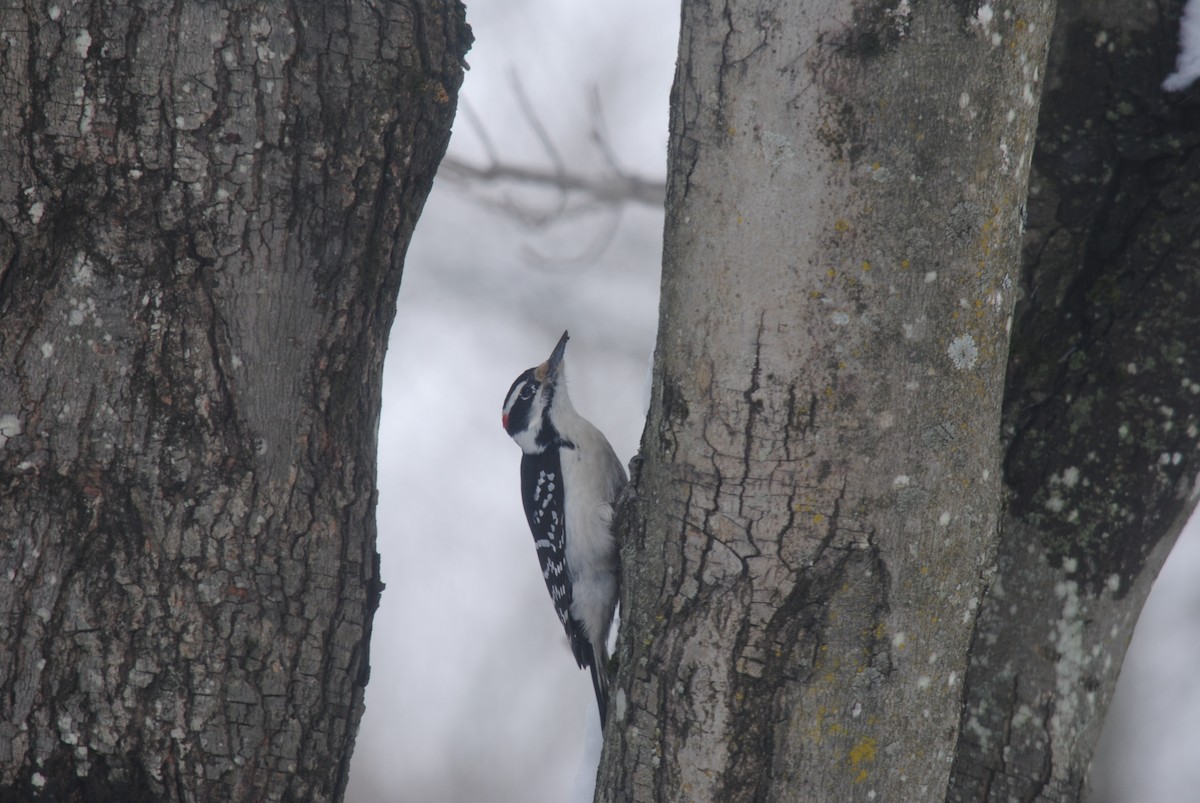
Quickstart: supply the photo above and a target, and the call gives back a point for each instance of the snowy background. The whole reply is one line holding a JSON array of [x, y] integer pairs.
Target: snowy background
[[473, 694]]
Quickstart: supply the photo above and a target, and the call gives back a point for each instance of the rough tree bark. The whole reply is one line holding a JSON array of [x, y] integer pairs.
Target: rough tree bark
[[204, 209], [1102, 404], [817, 507]]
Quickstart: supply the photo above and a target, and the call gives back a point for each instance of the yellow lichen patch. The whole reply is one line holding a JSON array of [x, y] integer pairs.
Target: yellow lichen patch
[[831, 273], [866, 265], [841, 225], [818, 518], [904, 264], [862, 753]]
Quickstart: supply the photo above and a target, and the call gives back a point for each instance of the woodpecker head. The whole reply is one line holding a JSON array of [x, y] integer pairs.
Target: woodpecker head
[[527, 406]]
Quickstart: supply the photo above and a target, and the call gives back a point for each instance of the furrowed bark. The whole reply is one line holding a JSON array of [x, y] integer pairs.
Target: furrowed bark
[[204, 210]]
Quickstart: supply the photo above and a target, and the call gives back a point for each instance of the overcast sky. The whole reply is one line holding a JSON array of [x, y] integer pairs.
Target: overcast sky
[[474, 696]]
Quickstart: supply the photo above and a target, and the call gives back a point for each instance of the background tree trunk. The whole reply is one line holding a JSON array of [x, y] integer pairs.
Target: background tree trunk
[[817, 507], [203, 215], [1102, 404]]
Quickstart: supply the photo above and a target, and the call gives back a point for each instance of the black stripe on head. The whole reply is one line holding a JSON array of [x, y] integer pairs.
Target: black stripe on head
[[518, 404]]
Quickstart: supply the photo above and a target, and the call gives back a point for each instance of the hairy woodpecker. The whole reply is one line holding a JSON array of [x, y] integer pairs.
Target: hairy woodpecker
[[569, 479]]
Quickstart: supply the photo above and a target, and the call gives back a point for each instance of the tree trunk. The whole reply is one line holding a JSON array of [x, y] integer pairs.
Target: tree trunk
[[204, 215], [817, 507], [1101, 408]]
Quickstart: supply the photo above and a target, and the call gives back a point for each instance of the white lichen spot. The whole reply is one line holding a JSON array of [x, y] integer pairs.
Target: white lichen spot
[[1113, 583], [996, 39], [1131, 369], [1071, 666], [54, 12], [36, 210], [944, 519], [1055, 504], [983, 735], [1123, 431], [900, 640], [987, 474], [923, 682], [66, 728], [777, 149], [81, 270], [952, 679], [1164, 459], [1070, 477], [1176, 458], [83, 43], [984, 15], [38, 780], [1027, 94], [900, 481], [10, 427], [1024, 715], [931, 277], [1070, 565], [963, 352], [964, 100], [840, 318], [85, 118], [1010, 115]]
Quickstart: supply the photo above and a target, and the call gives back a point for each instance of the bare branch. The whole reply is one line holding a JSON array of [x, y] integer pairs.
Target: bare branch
[[605, 190], [575, 194]]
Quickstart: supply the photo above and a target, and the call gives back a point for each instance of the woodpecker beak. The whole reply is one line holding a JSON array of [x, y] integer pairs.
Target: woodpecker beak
[[556, 358]]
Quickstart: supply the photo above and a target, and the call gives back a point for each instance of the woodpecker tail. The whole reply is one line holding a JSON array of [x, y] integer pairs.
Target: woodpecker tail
[[599, 669]]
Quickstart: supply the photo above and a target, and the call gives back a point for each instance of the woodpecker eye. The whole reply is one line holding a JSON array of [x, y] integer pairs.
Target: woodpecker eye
[[527, 392]]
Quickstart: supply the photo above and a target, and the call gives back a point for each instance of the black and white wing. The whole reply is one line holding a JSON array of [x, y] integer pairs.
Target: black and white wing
[[542, 486]]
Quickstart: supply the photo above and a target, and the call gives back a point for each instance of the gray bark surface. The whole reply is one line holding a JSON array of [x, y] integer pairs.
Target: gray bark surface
[[817, 508], [1102, 404], [204, 210]]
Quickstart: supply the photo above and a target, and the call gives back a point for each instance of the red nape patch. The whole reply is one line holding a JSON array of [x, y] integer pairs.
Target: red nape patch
[[504, 419]]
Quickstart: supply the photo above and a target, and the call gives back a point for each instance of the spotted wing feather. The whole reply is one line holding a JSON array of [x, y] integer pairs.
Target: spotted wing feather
[[541, 479]]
